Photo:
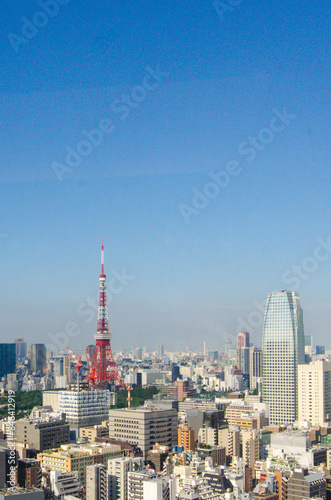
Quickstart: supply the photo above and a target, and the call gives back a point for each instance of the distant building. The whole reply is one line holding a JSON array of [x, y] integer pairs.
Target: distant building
[[242, 340], [180, 390], [255, 367], [38, 358], [320, 349], [7, 359], [21, 349]]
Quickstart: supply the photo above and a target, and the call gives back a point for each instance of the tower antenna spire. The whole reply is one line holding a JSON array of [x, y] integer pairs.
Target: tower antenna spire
[[103, 370]]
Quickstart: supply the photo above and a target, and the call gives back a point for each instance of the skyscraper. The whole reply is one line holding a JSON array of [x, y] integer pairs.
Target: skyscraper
[[7, 359], [38, 358], [283, 350]]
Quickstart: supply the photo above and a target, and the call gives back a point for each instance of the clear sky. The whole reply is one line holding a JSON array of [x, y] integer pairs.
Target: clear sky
[[207, 173]]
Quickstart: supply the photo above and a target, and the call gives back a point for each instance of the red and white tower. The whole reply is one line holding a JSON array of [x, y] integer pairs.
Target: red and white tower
[[103, 370]]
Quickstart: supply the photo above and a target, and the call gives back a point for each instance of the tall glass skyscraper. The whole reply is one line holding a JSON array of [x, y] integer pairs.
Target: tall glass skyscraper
[[283, 349]]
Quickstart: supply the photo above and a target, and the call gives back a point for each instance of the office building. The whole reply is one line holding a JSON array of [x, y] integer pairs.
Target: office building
[[49, 431], [84, 408], [96, 482], [250, 447], [66, 367], [144, 427], [38, 359], [283, 351], [75, 458], [7, 359], [255, 367], [314, 393], [230, 439], [21, 349]]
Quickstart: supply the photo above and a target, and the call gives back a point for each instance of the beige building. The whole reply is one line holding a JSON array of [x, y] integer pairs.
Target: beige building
[[235, 411], [230, 439], [144, 427], [95, 431], [250, 447], [75, 458], [314, 392]]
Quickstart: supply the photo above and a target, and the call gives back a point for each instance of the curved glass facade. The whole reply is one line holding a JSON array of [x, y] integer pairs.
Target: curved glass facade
[[283, 350]]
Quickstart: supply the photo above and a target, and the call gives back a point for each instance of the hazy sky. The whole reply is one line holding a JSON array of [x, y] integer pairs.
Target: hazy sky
[[193, 138]]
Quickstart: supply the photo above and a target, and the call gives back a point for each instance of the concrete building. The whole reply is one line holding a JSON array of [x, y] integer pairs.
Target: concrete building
[[118, 469], [208, 436], [230, 439], [95, 431], [159, 488], [303, 485], [236, 410], [250, 447], [283, 351], [49, 431], [64, 483], [51, 398], [22, 494], [314, 393], [96, 482], [136, 482], [144, 427]]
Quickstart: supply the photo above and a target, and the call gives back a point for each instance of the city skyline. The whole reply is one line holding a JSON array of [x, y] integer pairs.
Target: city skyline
[[195, 143]]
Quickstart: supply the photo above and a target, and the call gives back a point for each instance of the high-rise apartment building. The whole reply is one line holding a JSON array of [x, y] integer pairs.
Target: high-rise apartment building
[[283, 351], [7, 359], [96, 482], [314, 392], [186, 437], [118, 469], [38, 358]]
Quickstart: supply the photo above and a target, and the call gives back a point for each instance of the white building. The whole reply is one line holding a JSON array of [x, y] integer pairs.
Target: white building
[[85, 407], [118, 469], [64, 483]]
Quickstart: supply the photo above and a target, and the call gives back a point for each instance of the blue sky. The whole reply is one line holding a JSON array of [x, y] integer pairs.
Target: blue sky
[[194, 90]]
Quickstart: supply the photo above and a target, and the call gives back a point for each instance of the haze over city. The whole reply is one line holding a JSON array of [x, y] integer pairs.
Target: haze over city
[[195, 144]]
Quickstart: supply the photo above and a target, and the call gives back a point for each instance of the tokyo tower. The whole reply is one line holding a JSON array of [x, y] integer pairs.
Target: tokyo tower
[[103, 371]]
